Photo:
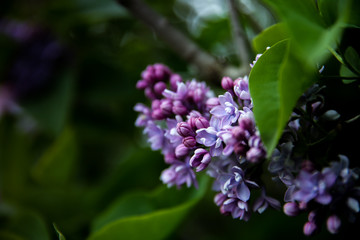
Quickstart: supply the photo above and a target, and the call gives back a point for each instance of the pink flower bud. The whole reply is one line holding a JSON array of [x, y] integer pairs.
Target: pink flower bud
[[181, 151], [227, 83], [309, 228], [201, 122], [166, 107], [189, 142], [184, 129], [141, 84], [333, 224], [174, 79], [159, 87], [291, 209], [178, 108]]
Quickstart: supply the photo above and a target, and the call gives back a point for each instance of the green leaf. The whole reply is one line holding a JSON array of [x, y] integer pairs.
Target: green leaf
[[58, 162], [269, 37], [61, 236], [146, 211], [310, 35], [276, 81]]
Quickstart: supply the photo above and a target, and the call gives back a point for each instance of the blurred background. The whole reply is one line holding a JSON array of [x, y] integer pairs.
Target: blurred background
[[69, 150]]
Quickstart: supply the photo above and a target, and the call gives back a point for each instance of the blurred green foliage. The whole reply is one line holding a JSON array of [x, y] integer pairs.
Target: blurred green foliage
[[73, 166]]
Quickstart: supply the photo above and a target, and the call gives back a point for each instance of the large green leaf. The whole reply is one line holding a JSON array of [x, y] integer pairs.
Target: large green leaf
[[269, 37], [276, 82], [264, 89], [307, 28], [157, 214]]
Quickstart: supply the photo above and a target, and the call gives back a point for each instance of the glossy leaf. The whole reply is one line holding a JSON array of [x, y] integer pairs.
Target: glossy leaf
[[144, 211], [276, 82], [264, 89], [269, 37], [307, 29]]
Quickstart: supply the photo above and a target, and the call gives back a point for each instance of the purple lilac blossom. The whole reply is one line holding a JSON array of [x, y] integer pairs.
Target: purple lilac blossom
[[179, 173], [227, 111], [237, 208], [198, 143], [264, 201], [234, 184], [315, 186]]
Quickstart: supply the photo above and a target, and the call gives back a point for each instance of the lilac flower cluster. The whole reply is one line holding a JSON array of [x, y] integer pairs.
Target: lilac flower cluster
[[330, 194], [196, 131]]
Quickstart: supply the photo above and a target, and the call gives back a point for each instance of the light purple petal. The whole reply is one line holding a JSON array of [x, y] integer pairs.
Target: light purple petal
[[243, 192]]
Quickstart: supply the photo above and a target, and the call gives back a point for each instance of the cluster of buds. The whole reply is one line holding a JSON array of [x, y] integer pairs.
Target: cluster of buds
[[196, 131]]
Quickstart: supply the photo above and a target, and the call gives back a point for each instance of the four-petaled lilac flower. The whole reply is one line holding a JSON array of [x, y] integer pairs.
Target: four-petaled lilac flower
[[209, 138], [237, 208], [235, 184], [178, 174], [314, 186], [227, 111]]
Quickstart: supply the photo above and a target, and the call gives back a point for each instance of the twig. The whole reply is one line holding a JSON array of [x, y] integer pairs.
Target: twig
[[241, 42], [183, 46]]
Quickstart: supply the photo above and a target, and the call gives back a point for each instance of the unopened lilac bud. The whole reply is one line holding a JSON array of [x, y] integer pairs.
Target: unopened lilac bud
[[178, 108], [246, 124], [149, 93], [212, 102], [189, 141], [333, 224], [240, 148], [148, 74], [155, 104], [174, 80], [201, 122], [309, 228], [181, 151], [166, 107], [159, 87], [141, 84], [238, 133], [157, 114], [291, 209], [161, 72], [184, 129], [192, 123], [227, 83]]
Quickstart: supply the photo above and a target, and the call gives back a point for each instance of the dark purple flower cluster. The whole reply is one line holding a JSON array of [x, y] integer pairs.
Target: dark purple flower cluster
[[36, 57], [328, 194], [196, 131]]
